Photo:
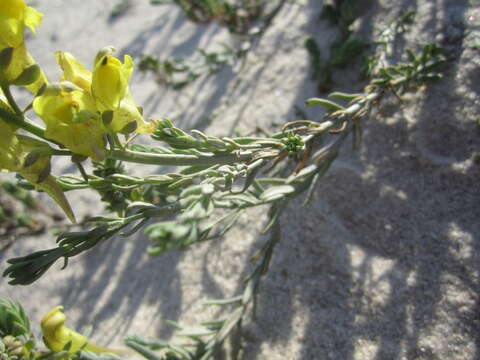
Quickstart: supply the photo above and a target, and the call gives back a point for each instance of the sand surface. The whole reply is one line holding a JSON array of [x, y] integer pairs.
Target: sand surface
[[383, 264]]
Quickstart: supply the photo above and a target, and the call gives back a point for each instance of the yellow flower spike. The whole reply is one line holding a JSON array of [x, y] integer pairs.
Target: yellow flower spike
[[71, 119], [74, 71], [110, 81], [58, 337]]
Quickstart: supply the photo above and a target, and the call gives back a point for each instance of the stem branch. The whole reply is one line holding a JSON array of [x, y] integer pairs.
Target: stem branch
[[20, 121], [178, 159], [10, 99]]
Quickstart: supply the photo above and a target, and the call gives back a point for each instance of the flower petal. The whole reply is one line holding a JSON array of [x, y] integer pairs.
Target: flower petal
[[12, 14], [35, 173], [72, 120], [127, 113], [33, 18], [109, 82], [73, 70], [21, 60]]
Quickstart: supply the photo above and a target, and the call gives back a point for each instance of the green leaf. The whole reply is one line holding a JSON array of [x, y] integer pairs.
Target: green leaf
[[344, 96], [142, 350], [243, 199], [276, 192], [411, 56], [13, 320], [28, 76], [344, 52], [330, 106]]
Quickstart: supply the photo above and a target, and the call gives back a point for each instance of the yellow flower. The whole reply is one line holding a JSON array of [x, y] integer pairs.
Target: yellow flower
[[57, 336], [127, 115], [36, 169], [22, 70], [73, 71], [94, 105], [14, 16], [72, 120], [110, 81], [31, 159], [111, 93], [18, 67], [108, 86]]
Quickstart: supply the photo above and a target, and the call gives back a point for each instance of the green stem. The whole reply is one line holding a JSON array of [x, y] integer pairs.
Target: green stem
[[82, 171], [178, 159], [134, 156], [21, 121], [60, 152], [28, 107], [11, 100]]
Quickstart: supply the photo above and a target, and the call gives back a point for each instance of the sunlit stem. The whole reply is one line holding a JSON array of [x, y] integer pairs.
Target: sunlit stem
[[180, 159], [11, 100], [22, 122]]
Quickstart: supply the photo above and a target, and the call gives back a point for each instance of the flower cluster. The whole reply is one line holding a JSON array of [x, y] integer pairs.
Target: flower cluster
[[84, 107], [16, 65], [30, 158], [80, 111]]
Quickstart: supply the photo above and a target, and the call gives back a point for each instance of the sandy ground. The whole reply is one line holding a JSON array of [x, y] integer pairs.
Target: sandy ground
[[384, 263]]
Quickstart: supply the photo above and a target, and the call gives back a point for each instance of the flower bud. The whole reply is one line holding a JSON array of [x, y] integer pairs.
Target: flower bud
[[106, 51], [9, 341], [18, 351]]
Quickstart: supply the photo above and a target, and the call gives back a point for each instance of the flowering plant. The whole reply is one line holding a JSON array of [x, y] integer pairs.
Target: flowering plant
[[91, 115]]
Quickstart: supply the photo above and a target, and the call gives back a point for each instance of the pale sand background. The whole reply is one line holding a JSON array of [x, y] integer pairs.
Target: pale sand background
[[384, 264]]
